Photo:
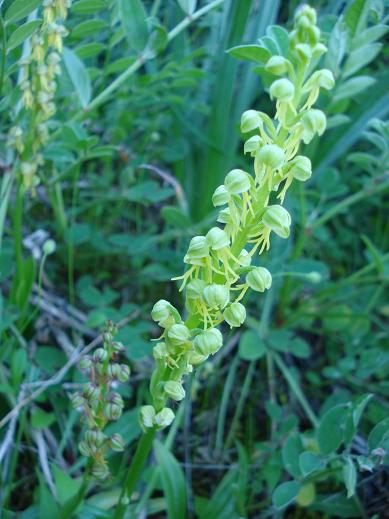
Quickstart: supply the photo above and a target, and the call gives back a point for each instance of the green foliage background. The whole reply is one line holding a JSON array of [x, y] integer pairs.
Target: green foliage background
[[290, 418]]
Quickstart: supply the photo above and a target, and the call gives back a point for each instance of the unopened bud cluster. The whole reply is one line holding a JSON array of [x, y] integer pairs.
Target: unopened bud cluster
[[219, 264], [39, 70], [99, 403]]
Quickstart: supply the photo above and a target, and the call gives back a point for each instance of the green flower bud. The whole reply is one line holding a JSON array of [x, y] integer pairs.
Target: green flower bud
[[235, 314], [49, 247], [244, 258], [237, 181], [118, 347], [174, 390], [124, 373], [301, 168], [85, 449], [303, 52], [325, 78], [278, 65], [86, 363], [100, 355], [318, 50], [95, 439], [116, 399], [259, 279], [178, 334], [224, 216], [216, 296], [252, 144], [112, 411], [77, 401], [100, 471], [147, 416], [277, 219], [251, 120], [208, 342], [282, 89], [91, 392], [196, 358], [314, 277], [271, 156], [195, 288], [313, 121], [221, 196], [116, 443], [308, 12], [160, 351], [164, 418], [217, 238], [313, 34], [164, 313], [197, 251], [113, 371]]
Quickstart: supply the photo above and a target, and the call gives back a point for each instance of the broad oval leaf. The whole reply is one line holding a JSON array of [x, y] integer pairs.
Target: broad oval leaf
[[290, 455], [20, 9], [133, 19], [286, 493], [88, 6], [78, 75], [330, 433], [251, 346], [22, 33], [350, 476], [173, 481], [255, 53]]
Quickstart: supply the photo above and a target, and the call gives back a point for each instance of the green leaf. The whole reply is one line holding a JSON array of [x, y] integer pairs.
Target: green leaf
[[188, 6], [251, 346], [352, 87], [255, 53], [20, 9], [133, 19], [330, 432], [67, 487], [173, 481], [78, 75], [19, 363], [299, 348], [379, 433], [350, 476], [88, 6], [355, 16], [291, 451], [309, 462], [370, 35], [360, 58], [285, 494], [48, 508], [22, 33], [175, 216], [354, 417], [40, 419], [89, 28]]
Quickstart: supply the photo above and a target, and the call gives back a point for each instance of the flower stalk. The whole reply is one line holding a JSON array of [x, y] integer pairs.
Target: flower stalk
[[219, 271]]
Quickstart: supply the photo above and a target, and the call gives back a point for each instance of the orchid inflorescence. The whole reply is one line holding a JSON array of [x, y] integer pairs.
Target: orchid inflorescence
[[39, 69], [219, 269], [99, 403]]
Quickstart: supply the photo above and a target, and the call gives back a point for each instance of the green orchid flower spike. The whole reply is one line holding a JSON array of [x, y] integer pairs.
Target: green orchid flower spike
[[219, 269]]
